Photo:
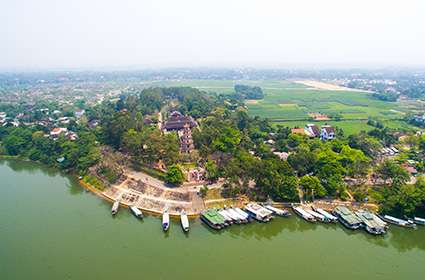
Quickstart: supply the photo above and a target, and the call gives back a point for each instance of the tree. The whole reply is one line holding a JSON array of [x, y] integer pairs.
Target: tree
[[312, 186], [303, 160], [368, 145], [227, 140], [276, 178], [174, 175], [212, 172], [330, 172], [391, 170], [354, 161], [18, 141], [248, 92]]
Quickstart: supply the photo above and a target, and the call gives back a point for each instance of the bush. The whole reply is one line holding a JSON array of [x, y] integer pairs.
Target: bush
[[110, 175], [203, 191], [174, 175], [93, 181]]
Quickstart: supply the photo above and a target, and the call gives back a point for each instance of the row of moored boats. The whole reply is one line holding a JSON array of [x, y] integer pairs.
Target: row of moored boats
[[221, 218], [362, 218], [184, 220]]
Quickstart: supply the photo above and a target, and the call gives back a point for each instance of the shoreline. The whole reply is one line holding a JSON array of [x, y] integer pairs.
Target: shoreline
[[100, 194], [326, 204]]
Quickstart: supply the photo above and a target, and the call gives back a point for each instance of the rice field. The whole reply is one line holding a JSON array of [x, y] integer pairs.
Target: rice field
[[288, 103]]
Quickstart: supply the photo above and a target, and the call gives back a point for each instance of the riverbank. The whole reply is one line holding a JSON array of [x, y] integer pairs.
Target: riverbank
[[152, 196]]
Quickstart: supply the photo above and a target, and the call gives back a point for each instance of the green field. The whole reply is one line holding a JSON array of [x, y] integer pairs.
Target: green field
[[289, 103], [349, 127]]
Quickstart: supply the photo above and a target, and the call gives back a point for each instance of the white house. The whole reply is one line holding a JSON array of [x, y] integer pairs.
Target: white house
[[312, 130], [327, 132], [79, 113]]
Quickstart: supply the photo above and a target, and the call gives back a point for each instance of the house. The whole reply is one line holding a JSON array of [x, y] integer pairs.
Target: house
[[327, 132], [45, 111], [298, 131], [55, 132], [71, 136], [3, 115], [281, 155], [9, 122], [410, 169], [79, 113], [147, 120], [196, 175], [93, 123], [177, 121], [270, 142], [64, 120], [312, 130]]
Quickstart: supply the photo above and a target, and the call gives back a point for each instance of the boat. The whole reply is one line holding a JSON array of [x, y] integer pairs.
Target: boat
[[243, 214], [258, 212], [330, 218], [115, 207], [319, 217], [371, 225], [136, 211], [277, 211], [347, 218], [165, 220], [303, 214], [229, 220], [235, 215], [184, 221], [419, 221], [235, 219], [213, 219], [398, 222]]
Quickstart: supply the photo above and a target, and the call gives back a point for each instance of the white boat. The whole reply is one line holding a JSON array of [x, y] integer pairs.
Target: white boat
[[184, 221], [327, 215], [115, 207], [317, 216], [226, 216], [258, 212], [303, 214], [242, 213], [419, 221], [165, 220], [136, 211], [397, 221], [277, 211], [235, 215], [230, 215]]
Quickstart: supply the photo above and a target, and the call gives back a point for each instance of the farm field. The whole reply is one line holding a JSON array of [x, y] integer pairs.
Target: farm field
[[288, 103]]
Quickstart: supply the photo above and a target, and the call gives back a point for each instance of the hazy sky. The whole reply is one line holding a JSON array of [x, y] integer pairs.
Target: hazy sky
[[167, 33]]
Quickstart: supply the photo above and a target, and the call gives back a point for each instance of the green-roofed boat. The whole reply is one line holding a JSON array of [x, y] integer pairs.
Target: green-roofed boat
[[372, 223], [213, 219], [346, 217]]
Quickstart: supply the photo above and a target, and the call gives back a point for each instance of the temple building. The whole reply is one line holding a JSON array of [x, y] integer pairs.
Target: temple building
[[177, 121], [182, 125]]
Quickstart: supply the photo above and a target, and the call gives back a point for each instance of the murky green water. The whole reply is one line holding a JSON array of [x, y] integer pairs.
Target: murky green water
[[52, 229]]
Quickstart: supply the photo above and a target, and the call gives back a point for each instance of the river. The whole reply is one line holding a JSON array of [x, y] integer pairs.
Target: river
[[51, 228]]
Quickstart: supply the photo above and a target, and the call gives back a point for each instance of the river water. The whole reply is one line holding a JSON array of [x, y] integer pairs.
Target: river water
[[51, 228]]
